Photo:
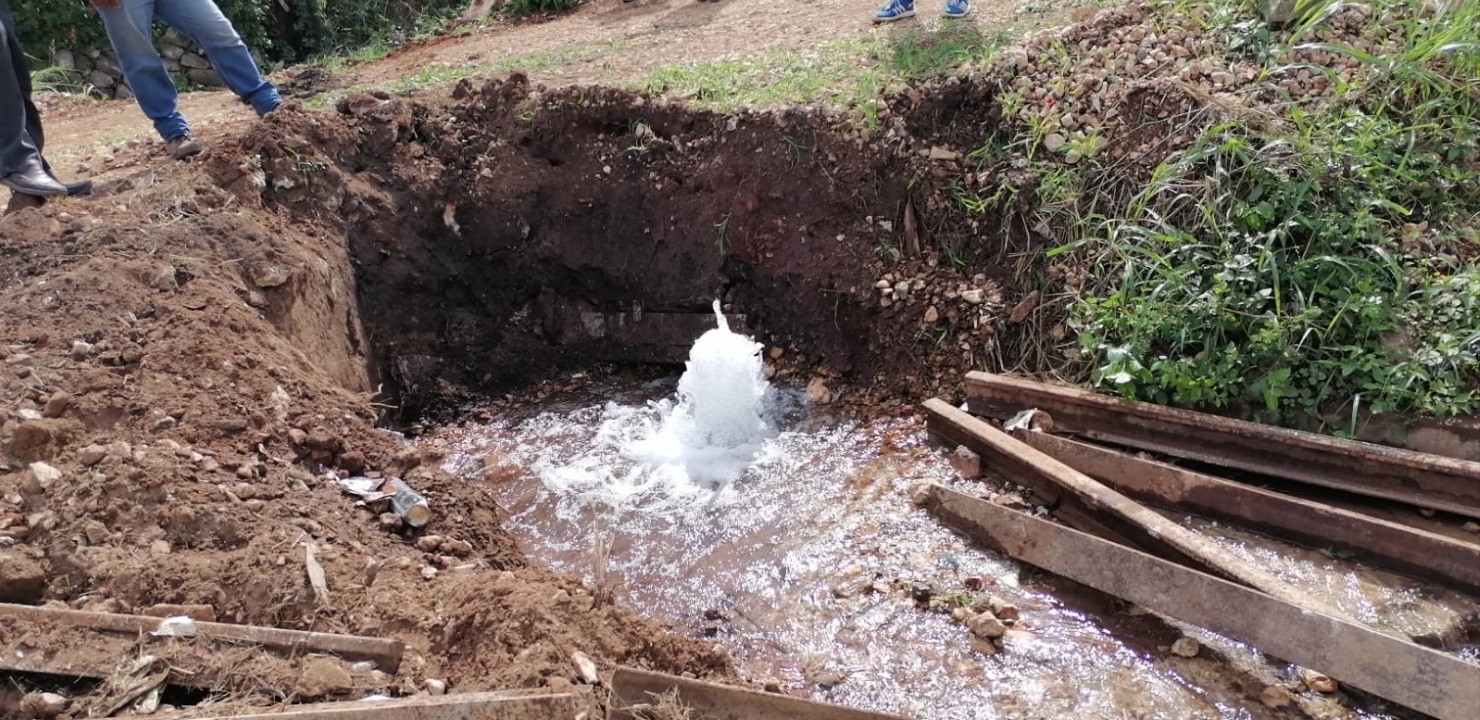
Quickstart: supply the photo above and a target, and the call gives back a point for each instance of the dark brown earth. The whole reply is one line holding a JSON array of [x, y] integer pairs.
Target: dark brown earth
[[190, 345]]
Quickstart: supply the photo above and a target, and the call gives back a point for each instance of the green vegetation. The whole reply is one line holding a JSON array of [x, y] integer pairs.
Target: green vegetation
[[1319, 264], [848, 73]]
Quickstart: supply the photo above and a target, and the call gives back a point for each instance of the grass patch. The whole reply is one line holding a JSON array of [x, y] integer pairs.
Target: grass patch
[[439, 75], [1311, 269]]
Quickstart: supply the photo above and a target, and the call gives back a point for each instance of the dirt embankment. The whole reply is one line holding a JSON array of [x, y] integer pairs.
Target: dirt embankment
[[185, 350]]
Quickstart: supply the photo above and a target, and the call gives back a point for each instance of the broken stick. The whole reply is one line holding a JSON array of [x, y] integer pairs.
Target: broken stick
[[1425, 680], [1419, 479], [385, 653], [1122, 514], [503, 705], [1410, 551]]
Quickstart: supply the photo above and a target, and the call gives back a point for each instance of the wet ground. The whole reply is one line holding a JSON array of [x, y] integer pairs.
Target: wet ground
[[810, 565]]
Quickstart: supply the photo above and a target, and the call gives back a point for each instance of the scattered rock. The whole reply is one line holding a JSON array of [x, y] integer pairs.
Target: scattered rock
[[1186, 647], [1054, 142], [986, 625], [944, 154], [1004, 610], [45, 475], [428, 572], [435, 687], [1276, 697], [42, 440], [932, 315], [57, 404], [826, 678], [1020, 311], [159, 547], [81, 350], [586, 667], [43, 705], [1472, 526], [429, 543], [22, 580], [1317, 681], [966, 463], [323, 676], [352, 461], [818, 392], [91, 455], [974, 297]]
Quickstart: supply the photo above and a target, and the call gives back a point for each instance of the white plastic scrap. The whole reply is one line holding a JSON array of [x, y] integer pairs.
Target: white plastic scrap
[[1021, 421], [177, 626]]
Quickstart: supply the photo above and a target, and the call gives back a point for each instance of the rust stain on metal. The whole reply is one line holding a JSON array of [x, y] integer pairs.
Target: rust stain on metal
[[1425, 680], [1415, 478], [1391, 545], [1124, 515], [713, 701]]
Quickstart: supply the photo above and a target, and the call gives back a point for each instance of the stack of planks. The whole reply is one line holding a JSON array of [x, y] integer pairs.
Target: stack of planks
[[1119, 546]]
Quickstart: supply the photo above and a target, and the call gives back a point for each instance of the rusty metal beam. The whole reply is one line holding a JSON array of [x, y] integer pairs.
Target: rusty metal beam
[[385, 653], [1122, 514], [1390, 545], [1419, 479], [713, 701], [1425, 680], [536, 705]]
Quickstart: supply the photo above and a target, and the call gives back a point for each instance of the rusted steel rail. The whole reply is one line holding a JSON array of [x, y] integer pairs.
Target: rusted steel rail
[[1419, 479], [385, 653], [1122, 514], [1410, 551], [1425, 680], [713, 701], [537, 705]]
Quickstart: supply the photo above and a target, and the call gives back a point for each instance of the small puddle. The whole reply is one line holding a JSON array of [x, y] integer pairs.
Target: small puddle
[[798, 548]]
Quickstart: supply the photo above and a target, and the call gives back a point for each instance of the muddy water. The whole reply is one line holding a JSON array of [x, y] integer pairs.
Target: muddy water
[[808, 566]]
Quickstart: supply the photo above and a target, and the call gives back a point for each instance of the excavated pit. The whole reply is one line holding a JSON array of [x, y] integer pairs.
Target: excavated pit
[[491, 237]]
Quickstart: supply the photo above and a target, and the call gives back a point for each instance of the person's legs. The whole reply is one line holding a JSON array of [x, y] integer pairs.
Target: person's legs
[[202, 21], [130, 31], [21, 168]]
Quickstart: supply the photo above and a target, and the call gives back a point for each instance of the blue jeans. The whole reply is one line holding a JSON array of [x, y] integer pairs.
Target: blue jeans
[[130, 30]]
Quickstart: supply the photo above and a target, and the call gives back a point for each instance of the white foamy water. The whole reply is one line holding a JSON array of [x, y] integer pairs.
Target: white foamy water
[[675, 453]]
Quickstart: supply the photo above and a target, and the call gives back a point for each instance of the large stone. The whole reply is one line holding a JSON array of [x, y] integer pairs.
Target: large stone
[[191, 60], [41, 440], [22, 580], [101, 80], [204, 76], [64, 59], [1278, 12]]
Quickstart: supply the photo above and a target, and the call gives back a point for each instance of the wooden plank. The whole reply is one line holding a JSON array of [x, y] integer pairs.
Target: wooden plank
[[1419, 479], [385, 653], [1124, 515], [713, 701], [1386, 544], [536, 705], [1425, 680]]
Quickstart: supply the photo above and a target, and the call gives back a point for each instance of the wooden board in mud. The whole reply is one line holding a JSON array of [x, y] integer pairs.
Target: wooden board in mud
[[721, 702], [1414, 478], [510, 705], [1425, 680]]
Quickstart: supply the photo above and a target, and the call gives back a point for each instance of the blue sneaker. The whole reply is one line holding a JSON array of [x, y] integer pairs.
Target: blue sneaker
[[895, 10], [956, 8]]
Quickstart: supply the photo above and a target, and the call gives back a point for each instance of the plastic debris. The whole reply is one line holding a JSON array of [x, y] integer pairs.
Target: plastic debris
[[177, 626], [405, 502]]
